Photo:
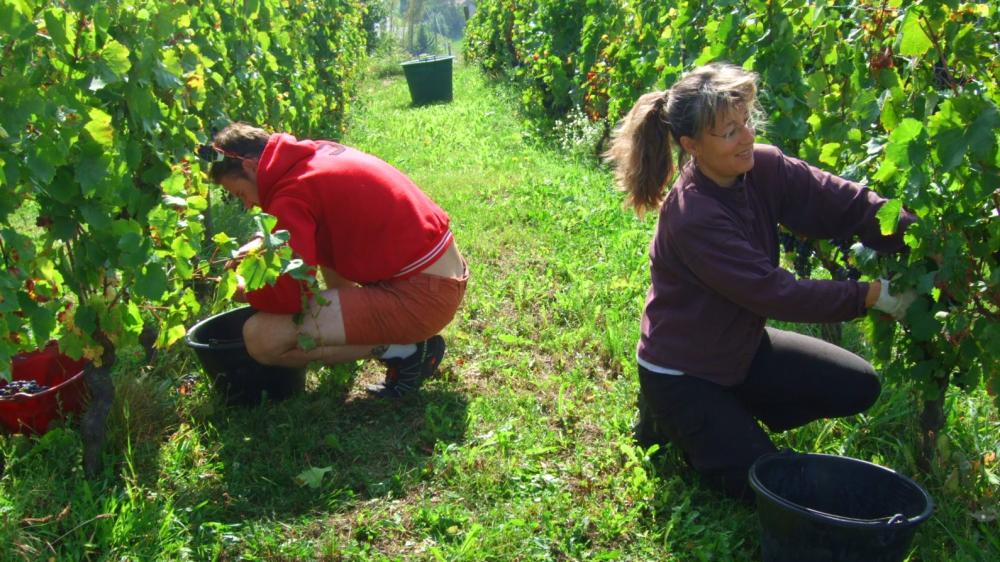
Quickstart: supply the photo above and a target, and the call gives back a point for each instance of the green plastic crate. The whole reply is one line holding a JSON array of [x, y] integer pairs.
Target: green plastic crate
[[429, 79]]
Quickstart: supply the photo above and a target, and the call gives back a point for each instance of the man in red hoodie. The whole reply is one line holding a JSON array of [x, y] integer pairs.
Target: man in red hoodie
[[393, 273]]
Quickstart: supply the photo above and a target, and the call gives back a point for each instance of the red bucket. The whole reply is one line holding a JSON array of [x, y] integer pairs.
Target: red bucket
[[66, 392]]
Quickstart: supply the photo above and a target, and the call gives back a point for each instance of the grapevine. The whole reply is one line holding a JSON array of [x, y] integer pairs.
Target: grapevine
[[901, 96], [105, 223]]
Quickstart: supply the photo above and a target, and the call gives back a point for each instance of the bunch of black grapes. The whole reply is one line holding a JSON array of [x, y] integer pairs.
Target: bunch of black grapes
[[803, 251], [21, 386], [847, 271]]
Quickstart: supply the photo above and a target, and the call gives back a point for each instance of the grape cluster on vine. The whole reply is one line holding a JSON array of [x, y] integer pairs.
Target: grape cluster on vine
[[787, 241], [846, 271], [803, 252]]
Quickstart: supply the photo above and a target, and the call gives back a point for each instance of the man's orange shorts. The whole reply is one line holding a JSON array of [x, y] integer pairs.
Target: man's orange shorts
[[400, 311]]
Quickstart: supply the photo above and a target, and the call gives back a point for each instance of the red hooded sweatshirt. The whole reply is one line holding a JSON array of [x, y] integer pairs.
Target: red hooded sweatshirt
[[345, 210]]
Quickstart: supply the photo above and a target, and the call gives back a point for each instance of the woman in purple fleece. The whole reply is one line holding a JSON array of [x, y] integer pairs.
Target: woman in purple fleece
[[709, 368]]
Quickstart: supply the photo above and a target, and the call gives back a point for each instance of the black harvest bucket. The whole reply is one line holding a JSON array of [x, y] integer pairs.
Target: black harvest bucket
[[218, 343], [825, 508]]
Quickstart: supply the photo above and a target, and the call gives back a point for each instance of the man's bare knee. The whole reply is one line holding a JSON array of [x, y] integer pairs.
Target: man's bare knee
[[265, 337]]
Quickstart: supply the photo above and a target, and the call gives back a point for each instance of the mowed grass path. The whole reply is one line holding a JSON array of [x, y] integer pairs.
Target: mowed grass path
[[520, 450], [541, 350]]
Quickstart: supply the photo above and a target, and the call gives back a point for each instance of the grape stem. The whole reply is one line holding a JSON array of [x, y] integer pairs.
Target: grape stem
[[937, 45]]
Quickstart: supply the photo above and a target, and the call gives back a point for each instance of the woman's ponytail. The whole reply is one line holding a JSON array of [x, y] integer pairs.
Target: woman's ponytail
[[641, 153], [641, 146]]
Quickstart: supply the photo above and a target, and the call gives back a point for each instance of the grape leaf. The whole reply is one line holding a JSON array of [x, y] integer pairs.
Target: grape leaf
[[829, 154], [888, 216], [982, 133], [57, 24], [132, 248], [923, 326], [151, 283], [115, 56], [312, 476], [172, 334], [99, 127], [913, 39], [43, 321], [253, 269]]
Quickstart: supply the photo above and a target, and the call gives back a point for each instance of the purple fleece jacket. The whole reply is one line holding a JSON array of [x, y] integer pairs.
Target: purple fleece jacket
[[714, 262]]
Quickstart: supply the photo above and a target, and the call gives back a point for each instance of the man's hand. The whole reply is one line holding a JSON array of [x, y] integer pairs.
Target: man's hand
[[241, 289], [244, 250], [894, 305]]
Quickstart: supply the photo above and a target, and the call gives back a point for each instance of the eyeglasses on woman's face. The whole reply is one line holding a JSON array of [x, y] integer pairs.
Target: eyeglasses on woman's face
[[732, 123], [733, 130]]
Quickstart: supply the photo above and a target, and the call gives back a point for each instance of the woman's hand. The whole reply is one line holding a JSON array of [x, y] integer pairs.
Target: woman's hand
[[893, 305], [874, 290]]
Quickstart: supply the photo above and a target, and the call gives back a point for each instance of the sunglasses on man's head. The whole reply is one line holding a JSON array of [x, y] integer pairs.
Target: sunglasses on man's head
[[215, 153]]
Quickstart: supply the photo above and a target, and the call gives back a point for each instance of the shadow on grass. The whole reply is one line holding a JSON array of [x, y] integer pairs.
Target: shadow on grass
[[359, 447], [424, 105], [671, 466]]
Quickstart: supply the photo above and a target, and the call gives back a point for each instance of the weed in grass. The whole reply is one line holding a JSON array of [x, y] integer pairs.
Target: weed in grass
[[577, 135]]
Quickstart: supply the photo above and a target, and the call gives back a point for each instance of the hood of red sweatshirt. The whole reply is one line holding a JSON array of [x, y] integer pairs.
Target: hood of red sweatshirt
[[281, 154]]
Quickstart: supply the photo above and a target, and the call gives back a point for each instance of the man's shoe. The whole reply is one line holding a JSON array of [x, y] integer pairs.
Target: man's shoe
[[405, 375]]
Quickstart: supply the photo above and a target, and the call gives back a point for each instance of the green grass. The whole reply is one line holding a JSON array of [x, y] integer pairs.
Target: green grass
[[519, 451]]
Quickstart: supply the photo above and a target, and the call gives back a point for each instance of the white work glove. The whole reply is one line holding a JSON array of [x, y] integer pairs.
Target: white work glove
[[894, 305]]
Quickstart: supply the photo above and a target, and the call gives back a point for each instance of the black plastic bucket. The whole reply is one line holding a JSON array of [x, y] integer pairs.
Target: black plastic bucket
[[828, 508], [429, 79], [218, 343]]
